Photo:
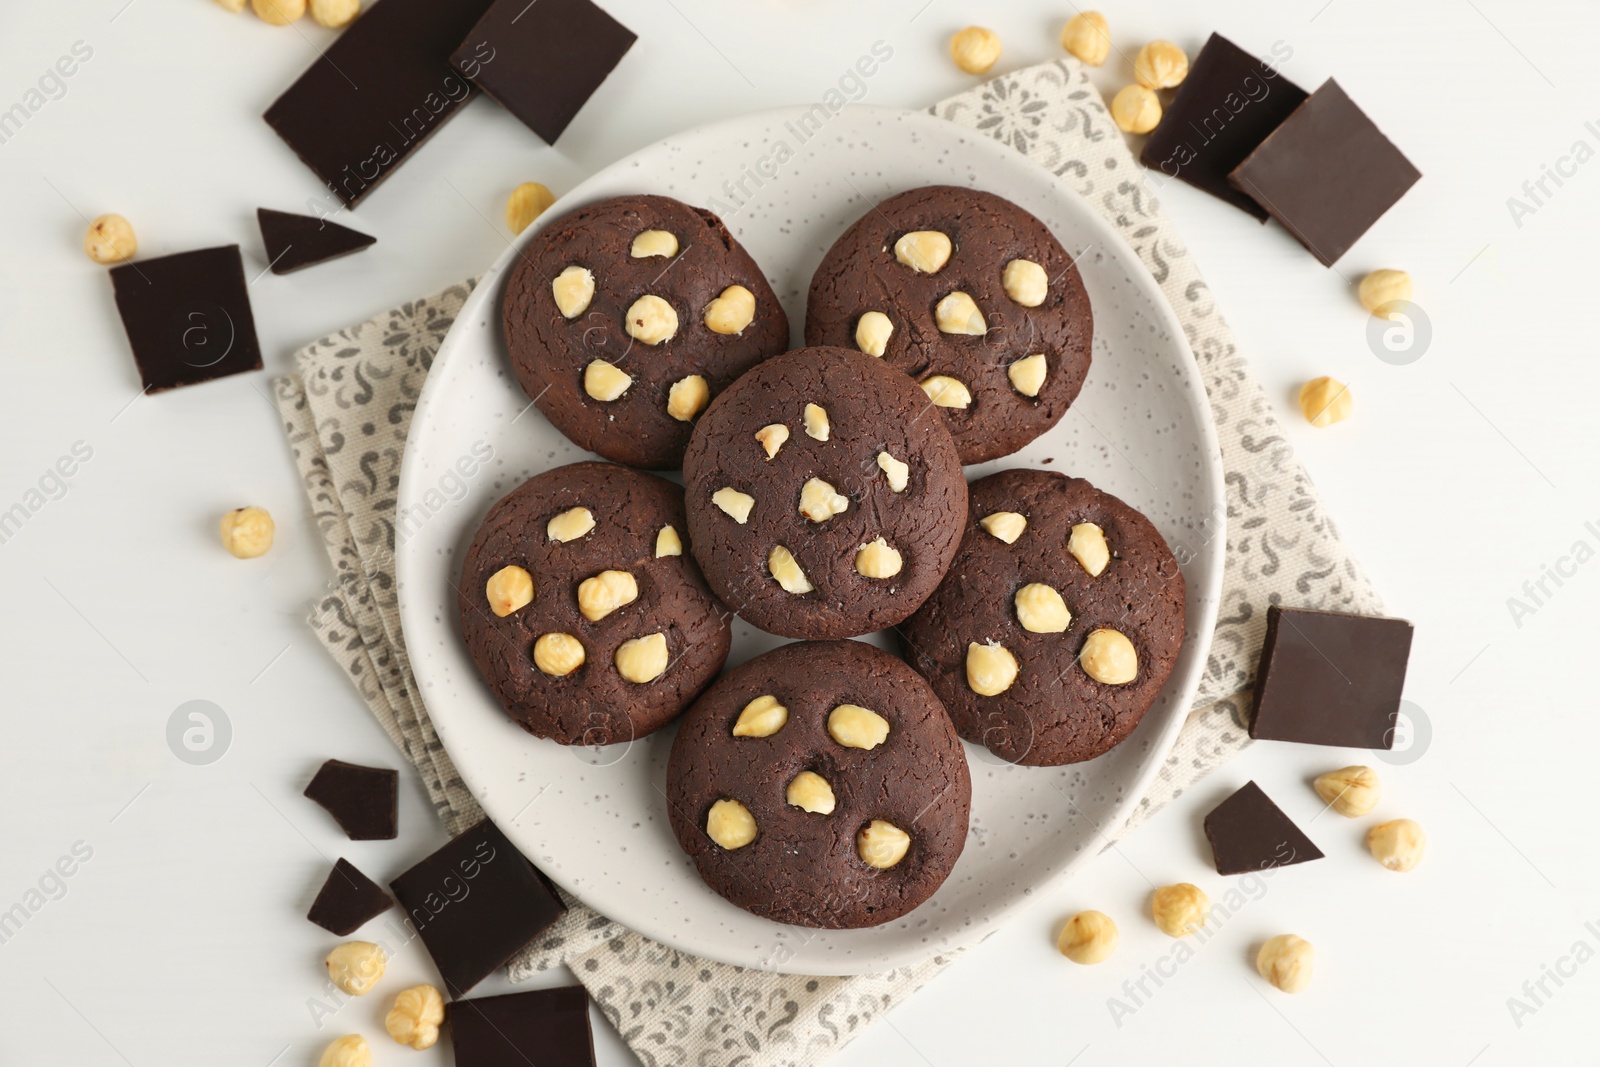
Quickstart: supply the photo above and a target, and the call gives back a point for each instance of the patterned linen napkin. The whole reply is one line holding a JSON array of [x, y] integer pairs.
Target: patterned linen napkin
[[348, 410]]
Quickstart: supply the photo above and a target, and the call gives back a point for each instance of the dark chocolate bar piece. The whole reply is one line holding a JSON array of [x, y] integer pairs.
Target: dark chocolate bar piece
[[187, 317], [476, 902], [543, 60], [1248, 832], [347, 900], [1330, 679], [295, 242], [380, 90], [364, 801], [545, 1026], [1227, 106], [1327, 173]]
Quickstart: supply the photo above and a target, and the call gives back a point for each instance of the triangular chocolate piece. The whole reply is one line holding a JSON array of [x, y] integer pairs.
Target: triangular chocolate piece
[[362, 800], [1248, 832], [347, 899], [297, 241]]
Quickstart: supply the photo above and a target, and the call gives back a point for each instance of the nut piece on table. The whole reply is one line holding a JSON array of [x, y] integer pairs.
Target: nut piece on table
[[1087, 544], [688, 397], [1160, 65], [604, 382], [898, 474], [668, 543], [570, 525], [280, 13], [1041, 610], [351, 1050], [508, 589], [247, 532], [573, 288], [734, 504], [1087, 36], [815, 419], [882, 844], [732, 311], [782, 565], [1397, 844], [644, 659], [878, 559], [772, 437], [356, 966], [1028, 373], [1007, 526], [1025, 282], [975, 49], [730, 824], [946, 392], [1108, 656], [958, 313], [527, 201], [1325, 401], [1285, 961], [1350, 791], [416, 1017], [854, 726], [762, 717], [810, 792], [1180, 909], [604, 593], [337, 14], [820, 501], [991, 668], [558, 655], [1135, 109], [654, 243], [924, 251], [234, 6], [1088, 937], [873, 332], [110, 239], [651, 320], [1384, 292]]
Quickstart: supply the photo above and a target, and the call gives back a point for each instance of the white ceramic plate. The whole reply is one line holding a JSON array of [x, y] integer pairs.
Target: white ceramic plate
[[594, 819]]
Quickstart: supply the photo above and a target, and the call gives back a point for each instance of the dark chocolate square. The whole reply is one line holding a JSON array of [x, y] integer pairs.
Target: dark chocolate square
[[294, 242], [1327, 173], [187, 317], [347, 900], [1227, 106], [544, 1028], [1248, 832], [1330, 679], [543, 59], [364, 801], [380, 90], [476, 902]]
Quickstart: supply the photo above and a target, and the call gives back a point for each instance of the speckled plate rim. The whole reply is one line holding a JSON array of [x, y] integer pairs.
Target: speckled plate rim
[[428, 618]]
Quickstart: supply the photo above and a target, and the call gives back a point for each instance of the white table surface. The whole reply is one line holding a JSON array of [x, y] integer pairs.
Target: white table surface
[[1462, 477]]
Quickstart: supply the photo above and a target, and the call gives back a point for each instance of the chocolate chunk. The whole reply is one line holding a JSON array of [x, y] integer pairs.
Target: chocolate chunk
[[187, 317], [347, 899], [1327, 174], [1248, 832], [545, 1026], [1227, 106], [297, 241], [363, 800], [476, 902], [380, 90], [542, 61], [1330, 679]]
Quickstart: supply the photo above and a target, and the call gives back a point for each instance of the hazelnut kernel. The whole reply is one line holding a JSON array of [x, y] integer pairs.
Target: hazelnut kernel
[[351, 1050], [1088, 937], [873, 331], [958, 313], [573, 288], [1108, 656], [945, 392], [882, 844], [1025, 282], [527, 201], [110, 239], [731, 312], [335, 14], [279, 13], [1384, 293], [820, 501], [668, 543], [1041, 610], [1136, 109], [570, 525], [1285, 961], [604, 382], [810, 792], [1088, 37], [1007, 526], [416, 1017], [735, 505], [1087, 545], [730, 824], [654, 243], [234, 6], [247, 532], [508, 589], [878, 559], [1325, 401], [854, 726], [772, 438], [688, 397], [1350, 791], [356, 966], [651, 320], [782, 565], [1160, 65], [1179, 910], [1028, 373], [991, 668], [924, 251], [1397, 844], [898, 473], [815, 419], [975, 49], [604, 593], [762, 717], [644, 659], [558, 655]]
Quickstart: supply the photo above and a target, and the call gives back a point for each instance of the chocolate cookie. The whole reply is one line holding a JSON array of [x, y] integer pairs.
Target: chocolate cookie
[[823, 499], [971, 296], [583, 610], [1058, 624], [625, 317], [821, 785]]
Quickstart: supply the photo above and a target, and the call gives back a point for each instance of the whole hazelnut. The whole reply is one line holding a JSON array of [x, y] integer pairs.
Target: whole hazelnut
[[527, 201], [1325, 401], [1180, 909], [1350, 791], [416, 1016], [975, 49], [334, 14], [1285, 961], [110, 239], [278, 12], [351, 1050], [1160, 65], [356, 966], [247, 532], [1087, 35], [1385, 292], [1135, 109], [1088, 937], [1397, 844]]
